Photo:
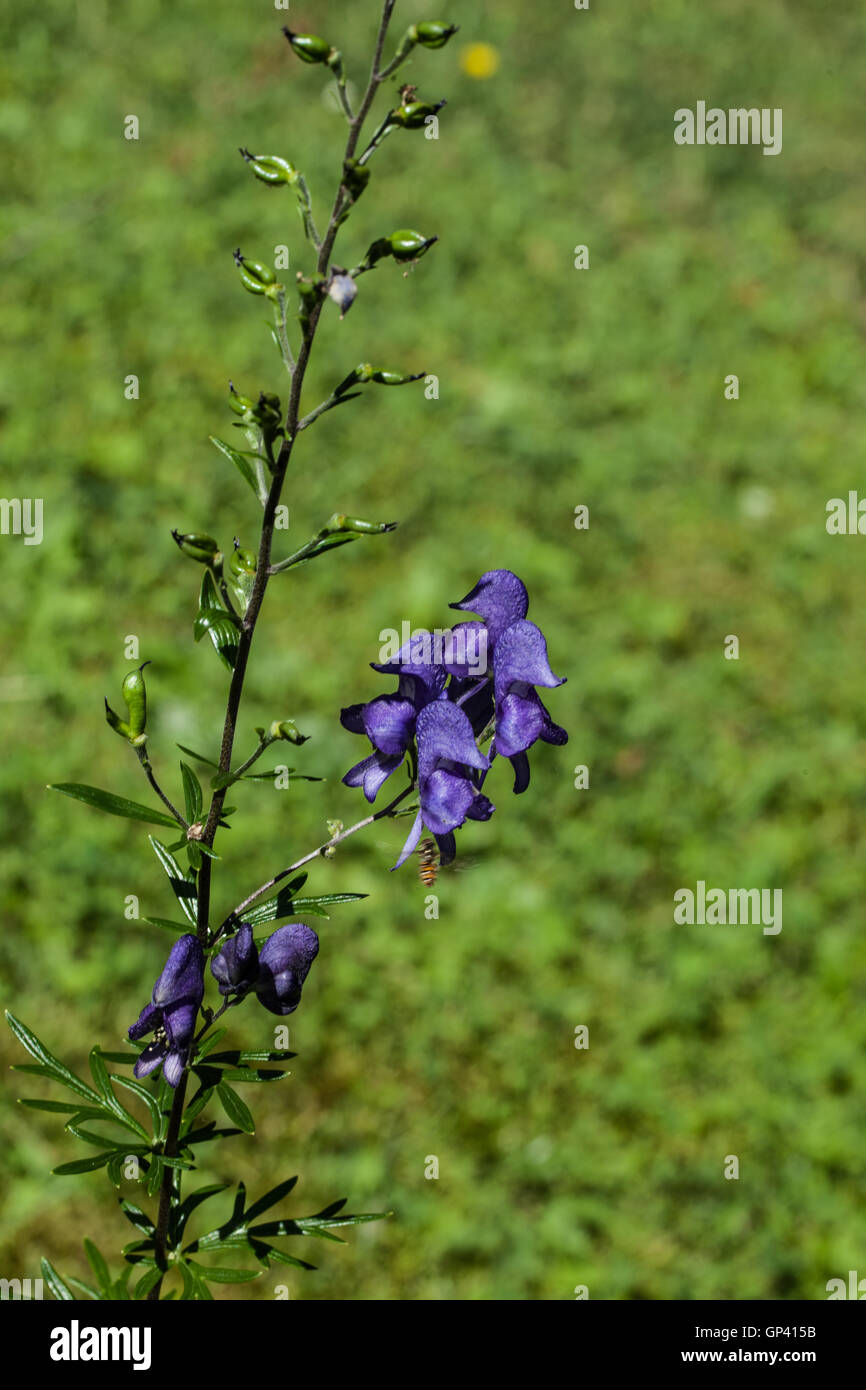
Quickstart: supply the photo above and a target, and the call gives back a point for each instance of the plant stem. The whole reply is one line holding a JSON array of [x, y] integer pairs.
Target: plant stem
[[145, 762], [251, 616]]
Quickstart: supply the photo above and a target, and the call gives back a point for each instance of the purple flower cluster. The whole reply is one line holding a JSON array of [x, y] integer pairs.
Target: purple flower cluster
[[276, 974], [445, 700]]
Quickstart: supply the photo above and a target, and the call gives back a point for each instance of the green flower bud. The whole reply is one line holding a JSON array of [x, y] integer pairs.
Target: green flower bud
[[242, 562], [309, 47], [257, 278], [403, 245], [270, 168], [198, 547], [434, 34], [413, 115], [286, 730], [135, 696]]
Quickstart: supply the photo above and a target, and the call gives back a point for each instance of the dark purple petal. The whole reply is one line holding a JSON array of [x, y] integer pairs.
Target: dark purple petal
[[520, 720], [447, 846], [284, 963], [520, 763], [148, 1019], [236, 966], [521, 658], [370, 773], [444, 733], [389, 724], [500, 598], [150, 1058], [445, 800], [352, 718], [183, 975], [481, 809], [465, 651], [416, 659]]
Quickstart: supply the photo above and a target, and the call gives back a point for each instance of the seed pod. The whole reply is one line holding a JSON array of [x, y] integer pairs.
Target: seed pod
[[309, 47], [256, 277], [197, 546], [413, 116], [355, 178], [135, 695], [434, 34], [406, 245], [270, 168]]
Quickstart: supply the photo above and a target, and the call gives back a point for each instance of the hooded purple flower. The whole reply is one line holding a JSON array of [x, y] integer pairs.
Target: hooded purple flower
[[389, 720], [446, 755], [519, 664], [500, 598], [171, 1016], [284, 964], [236, 966]]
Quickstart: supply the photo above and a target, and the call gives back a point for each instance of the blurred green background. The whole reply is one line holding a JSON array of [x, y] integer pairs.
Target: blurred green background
[[558, 387]]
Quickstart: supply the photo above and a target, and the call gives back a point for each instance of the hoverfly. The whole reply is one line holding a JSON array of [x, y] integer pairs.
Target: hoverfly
[[428, 862]]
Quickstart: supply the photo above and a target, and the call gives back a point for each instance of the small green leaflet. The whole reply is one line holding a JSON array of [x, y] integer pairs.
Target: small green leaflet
[[114, 805], [217, 622], [193, 795], [240, 461], [184, 889]]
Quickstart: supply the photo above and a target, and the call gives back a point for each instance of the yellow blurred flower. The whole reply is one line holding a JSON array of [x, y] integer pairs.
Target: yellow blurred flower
[[479, 60]]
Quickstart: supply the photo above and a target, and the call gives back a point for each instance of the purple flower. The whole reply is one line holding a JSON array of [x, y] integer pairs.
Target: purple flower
[[389, 720], [500, 598], [236, 966], [448, 796], [171, 1016], [284, 963], [519, 664]]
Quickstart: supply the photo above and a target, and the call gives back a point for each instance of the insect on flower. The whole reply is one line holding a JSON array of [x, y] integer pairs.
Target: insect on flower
[[428, 862]]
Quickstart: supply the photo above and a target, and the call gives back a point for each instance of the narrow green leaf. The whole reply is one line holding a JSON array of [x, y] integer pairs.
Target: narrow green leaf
[[217, 622], [85, 1288], [83, 1165], [189, 1205], [280, 1256], [215, 1275], [153, 1180], [97, 1263], [114, 805], [146, 1283], [143, 1094], [235, 1108], [184, 890], [140, 1220], [193, 795], [59, 1107], [269, 1199], [239, 460], [278, 906], [210, 1042], [250, 1074], [112, 1104], [53, 1066], [199, 757], [57, 1285], [166, 924]]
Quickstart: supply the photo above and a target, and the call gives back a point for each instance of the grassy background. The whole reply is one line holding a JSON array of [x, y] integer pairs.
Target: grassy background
[[557, 387]]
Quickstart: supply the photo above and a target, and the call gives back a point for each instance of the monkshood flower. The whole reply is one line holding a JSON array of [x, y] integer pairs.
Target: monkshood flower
[[447, 754], [284, 964], [171, 1015], [501, 599], [236, 967], [389, 720], [519, 664]]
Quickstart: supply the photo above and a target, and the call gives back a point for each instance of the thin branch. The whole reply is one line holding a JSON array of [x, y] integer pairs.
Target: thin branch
[[145, 762], [337, 839]]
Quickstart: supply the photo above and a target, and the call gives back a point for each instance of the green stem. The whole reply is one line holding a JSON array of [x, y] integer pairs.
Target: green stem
[[251, 616]]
